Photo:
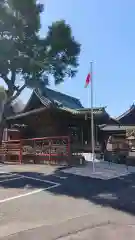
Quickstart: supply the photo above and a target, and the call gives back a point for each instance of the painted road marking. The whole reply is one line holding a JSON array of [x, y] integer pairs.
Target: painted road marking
[[38, 179], [55, 184], [28, 194], [57, 176], [8, 180], [8, 173], [8, 176]]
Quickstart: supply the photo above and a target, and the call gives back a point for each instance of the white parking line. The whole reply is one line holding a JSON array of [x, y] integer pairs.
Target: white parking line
[[38, 179], [57, 176], [55, 184], [8, 180], [5, 174], [33, 178], [9, 176], [29, 193]]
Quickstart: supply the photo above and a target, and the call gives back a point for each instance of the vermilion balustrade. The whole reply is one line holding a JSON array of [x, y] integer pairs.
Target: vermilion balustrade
[[50, 148]]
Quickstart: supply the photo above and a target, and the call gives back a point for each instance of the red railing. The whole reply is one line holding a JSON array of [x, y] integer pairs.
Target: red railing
[[37, 149]]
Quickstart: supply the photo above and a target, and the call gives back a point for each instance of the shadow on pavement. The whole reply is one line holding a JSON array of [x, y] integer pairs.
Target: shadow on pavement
[[118, 193]]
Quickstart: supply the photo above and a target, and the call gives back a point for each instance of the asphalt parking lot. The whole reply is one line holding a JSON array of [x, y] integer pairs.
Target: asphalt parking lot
[[42, 202]]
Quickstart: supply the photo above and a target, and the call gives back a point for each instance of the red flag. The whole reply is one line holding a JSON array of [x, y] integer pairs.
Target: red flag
[[87, 80]]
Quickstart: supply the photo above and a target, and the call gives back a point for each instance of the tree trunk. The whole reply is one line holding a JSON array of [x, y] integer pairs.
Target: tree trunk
[[2, 123], [2, 126]]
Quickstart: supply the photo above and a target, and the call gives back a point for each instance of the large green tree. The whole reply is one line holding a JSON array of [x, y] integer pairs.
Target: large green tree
[[26, 58]]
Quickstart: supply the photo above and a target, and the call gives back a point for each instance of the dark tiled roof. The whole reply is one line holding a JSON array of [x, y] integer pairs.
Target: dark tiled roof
[[126, 112], [49, 97], [45, 100], [85, 111], [96, 110], [116, 128], [25, 114], [41, 100], [61, 99], [41, 109]]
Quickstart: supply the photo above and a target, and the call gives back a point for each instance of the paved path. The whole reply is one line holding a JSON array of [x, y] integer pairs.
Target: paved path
[[84, 227], [77, 208], [103, 170]]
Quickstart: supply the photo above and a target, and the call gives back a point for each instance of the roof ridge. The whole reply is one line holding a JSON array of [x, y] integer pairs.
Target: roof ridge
[[46, 101], [126, 112], [64, 94], [47, 97], [28, 101], [98, 108]]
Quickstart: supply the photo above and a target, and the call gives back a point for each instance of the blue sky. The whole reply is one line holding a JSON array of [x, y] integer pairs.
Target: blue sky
[[106, 31]]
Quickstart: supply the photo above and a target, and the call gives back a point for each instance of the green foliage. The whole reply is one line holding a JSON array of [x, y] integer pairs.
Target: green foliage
[[25, 55]]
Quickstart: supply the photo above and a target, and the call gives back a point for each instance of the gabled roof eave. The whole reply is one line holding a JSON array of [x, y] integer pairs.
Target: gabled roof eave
[[126, 112]]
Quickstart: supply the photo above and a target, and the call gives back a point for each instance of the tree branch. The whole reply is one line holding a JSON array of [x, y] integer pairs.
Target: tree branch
[[13, 76], [6, 80], [10, 83], [17, 93]]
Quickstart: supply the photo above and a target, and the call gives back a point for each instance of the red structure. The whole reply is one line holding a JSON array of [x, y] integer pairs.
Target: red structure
[[49, 113], [50, 150]]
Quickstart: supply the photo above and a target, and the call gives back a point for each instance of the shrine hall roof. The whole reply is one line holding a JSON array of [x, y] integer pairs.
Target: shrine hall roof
[[48, 97], [41, 100], [116, 128], [96, 111], [128, 116]]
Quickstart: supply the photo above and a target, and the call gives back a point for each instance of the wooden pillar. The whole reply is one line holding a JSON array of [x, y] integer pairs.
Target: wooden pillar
[[96, 135], [82, 135], [89, 132]]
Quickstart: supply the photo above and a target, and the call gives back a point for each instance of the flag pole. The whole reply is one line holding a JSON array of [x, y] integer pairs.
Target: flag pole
[[92, 119]]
